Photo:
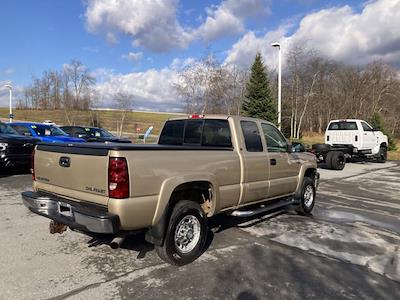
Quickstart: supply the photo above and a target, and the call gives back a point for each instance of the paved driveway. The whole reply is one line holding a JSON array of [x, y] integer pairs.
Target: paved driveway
[[348, 249]]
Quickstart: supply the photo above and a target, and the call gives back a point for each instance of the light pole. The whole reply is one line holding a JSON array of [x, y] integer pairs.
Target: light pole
[[278, 45], [10, 90]]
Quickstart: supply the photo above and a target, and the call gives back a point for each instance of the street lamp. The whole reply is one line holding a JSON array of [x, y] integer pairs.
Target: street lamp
[[10, 90], [278, 45]]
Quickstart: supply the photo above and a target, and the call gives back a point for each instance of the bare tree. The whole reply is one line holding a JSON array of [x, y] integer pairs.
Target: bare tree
[[209, 87], [125, 104]]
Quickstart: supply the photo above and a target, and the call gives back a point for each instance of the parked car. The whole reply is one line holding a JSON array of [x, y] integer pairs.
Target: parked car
[[351, 138], [93, 134], [44, 132], [201, 166], [15, 150]]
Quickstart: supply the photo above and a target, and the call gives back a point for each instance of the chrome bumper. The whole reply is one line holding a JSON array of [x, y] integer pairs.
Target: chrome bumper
[[80, 216]]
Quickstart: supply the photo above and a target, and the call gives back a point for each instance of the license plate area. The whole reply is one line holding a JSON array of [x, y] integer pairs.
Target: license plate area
[[64, 209]]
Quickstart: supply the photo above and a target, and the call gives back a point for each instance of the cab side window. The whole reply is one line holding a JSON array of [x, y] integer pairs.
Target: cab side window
[[274, 139], [251, 135], [22, 130], [366, 127]]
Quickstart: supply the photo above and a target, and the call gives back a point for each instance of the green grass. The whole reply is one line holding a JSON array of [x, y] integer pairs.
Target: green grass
[[108, 119]]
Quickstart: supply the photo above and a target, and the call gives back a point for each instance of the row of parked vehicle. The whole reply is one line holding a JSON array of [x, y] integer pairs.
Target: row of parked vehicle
[[17, 140]]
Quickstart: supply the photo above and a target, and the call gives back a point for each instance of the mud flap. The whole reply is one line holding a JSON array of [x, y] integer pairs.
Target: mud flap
[[155, 235]]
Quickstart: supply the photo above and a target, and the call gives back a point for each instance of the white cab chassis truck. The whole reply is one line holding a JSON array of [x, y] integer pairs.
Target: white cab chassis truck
[[350, 138]]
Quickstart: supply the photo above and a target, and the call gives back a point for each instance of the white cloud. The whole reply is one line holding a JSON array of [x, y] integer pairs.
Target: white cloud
[[152, 89], [243, 52], [152, 24], [229, 17], [133, 56], [339, 33], [348, 36]]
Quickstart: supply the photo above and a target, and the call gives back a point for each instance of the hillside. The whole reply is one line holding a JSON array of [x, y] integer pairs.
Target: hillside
[[135, 122]]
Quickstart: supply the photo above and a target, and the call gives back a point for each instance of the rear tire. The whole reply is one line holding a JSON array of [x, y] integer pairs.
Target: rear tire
[[307, 197], [186, 234], [335, 160], [382, 155]]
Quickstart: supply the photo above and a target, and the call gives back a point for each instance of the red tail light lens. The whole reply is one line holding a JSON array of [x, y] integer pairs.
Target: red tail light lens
[[118, 178], [196, 116], [33, 165]]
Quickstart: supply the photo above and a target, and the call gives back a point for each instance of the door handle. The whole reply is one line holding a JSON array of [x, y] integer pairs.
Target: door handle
[[272, 161]]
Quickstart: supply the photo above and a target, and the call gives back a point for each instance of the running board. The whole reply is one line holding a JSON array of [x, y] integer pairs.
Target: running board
[[262, 209]]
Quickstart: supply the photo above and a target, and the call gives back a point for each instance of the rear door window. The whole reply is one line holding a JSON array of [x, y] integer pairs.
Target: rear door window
[[251, 136], [22, 130], [343, 125], [216, 133]]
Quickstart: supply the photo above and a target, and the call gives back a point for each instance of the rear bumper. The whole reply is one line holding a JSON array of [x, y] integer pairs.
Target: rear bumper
[[80, 216]]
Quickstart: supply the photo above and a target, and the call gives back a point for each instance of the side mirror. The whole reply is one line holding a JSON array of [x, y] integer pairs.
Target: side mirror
[[298, 147]]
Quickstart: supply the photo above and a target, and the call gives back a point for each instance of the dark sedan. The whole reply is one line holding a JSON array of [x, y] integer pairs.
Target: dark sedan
[[14, 148], [93, 134]]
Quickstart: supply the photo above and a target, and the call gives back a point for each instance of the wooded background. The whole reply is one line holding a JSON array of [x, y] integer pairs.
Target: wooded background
[[315, 90]]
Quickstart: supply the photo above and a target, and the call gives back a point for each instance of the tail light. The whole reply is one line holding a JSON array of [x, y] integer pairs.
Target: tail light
[[118, 178], [33, 165], [327, 138], [196, 116], [356, 138]]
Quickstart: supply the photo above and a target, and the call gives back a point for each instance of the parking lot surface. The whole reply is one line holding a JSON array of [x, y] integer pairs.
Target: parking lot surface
[[348, 249]]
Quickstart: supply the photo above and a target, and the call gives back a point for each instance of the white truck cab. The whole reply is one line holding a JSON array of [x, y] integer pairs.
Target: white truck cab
[[358, 133]]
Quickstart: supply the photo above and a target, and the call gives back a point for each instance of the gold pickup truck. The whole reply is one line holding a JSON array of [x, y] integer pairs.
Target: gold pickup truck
[[201, 166]]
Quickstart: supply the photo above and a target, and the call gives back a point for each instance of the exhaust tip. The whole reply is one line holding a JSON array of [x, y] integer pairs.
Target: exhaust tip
[[117, 242]]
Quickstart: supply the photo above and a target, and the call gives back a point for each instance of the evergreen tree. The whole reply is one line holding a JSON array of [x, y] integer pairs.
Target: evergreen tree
[[258, 102], [378, 123]]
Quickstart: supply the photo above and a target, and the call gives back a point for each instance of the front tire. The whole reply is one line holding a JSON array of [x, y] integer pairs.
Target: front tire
[[307, 197], [382, 155], [186, 234]]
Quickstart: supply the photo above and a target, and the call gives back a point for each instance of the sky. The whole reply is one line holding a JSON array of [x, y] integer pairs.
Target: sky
[[139, 46]]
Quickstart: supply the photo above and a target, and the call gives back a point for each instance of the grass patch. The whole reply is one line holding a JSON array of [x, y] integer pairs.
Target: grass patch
[[108, 119]]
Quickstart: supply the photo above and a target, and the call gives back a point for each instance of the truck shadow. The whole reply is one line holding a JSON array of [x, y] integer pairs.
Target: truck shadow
[[217, 224], [11, 171]]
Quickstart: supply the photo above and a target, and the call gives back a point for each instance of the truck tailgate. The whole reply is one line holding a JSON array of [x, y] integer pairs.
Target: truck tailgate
[[80, 175]]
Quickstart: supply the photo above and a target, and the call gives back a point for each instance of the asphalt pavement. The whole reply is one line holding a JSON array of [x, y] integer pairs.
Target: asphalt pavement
[[348, 249]]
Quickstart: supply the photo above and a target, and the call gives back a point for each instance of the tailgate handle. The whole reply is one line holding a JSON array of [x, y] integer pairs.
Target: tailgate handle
[[65, 161]]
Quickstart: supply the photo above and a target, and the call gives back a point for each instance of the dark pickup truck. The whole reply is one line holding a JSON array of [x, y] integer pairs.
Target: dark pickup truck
[[93, 134], [15, 150]]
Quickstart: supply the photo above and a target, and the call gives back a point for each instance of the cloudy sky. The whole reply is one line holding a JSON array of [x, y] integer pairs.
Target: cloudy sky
[[138, 46]]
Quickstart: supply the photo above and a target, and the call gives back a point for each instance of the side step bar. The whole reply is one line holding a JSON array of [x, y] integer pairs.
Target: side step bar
[[262, 209]]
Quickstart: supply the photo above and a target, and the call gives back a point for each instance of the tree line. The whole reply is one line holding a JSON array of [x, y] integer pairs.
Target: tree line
[[68, 89], [315, 90]]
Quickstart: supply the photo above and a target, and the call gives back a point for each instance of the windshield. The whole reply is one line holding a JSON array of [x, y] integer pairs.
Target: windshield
[[6, 129], [46, 130], [99, 132]]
